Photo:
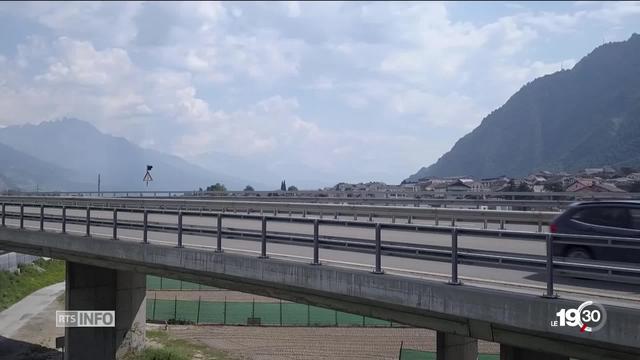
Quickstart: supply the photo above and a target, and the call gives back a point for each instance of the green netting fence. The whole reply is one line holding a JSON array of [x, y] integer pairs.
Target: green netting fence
[[412, 354], [260, 313], [254, 313], [244, 312], [162, 283], [409, 354]]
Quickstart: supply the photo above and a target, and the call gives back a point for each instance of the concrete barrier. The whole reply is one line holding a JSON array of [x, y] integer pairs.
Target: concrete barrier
[[10, 261]]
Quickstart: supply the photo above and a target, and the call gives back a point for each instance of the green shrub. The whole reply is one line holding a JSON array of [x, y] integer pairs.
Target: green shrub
[[160, 354], [16, 285]]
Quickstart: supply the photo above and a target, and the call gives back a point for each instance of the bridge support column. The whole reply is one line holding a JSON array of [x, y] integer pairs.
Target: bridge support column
[[96, 288], [514, 353], [456, 347]]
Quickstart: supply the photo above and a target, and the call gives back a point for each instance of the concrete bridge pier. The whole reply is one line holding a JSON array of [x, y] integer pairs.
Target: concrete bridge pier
[[455, 347], [514, 353], [96, 288]]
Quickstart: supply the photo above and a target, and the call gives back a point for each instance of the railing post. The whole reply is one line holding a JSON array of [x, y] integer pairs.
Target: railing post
[[4, 214], [410, 219], [180, 228], [219, 234], [502, 224], [550, 292], [41, 217], [454, 257], [21, 216], [64, 219], [378, 266], [88, 221], [335, 216], [539, 225], [263, 247], [115, 224], [145, 226], [316, 239]]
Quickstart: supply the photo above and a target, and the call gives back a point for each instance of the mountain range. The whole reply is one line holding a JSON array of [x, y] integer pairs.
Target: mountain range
[[22, 171], [68, 154], [588, 116]]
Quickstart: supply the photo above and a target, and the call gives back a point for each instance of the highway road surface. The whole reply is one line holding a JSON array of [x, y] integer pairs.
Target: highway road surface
[[527, 281]]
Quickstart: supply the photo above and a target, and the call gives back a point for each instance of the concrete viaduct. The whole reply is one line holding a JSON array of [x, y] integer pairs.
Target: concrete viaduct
[[109, 274]]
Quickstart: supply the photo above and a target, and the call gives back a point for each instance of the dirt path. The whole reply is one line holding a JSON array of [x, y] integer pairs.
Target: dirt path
[[28, 330], [272, 343]]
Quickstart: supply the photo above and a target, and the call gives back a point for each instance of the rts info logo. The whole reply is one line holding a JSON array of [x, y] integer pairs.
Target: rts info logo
[[588, 317]]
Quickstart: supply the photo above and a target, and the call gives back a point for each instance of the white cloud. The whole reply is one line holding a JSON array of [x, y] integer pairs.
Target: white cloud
[[293, 8], [113, 21], [225, 57], [358, 88], [450, 110], [81, 64]]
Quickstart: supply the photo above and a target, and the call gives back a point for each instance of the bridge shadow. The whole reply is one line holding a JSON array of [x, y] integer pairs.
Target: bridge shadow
[[565, 279], [11, 349]]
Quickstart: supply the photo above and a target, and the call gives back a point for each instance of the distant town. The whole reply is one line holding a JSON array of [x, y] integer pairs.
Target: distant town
[[604, 179]]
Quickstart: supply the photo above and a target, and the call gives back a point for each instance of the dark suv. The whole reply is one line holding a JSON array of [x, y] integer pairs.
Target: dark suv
[[599, 218]]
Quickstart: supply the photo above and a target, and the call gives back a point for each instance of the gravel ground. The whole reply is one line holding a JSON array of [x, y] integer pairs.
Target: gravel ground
[[262, 343]]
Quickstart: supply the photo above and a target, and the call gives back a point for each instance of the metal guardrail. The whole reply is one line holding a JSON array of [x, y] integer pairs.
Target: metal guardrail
[[504, 200], [369, 212], [346, 194], [460, 203], [611, 271]]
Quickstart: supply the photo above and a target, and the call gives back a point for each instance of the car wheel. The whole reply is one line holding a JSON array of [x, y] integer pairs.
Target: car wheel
[[578, 253]]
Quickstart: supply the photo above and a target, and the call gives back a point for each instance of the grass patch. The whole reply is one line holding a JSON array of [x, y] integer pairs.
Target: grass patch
[[16, 285], [176, 349], [159, 354]]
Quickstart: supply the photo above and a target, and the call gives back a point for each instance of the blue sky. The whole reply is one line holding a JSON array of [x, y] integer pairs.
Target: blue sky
[[315, 92]]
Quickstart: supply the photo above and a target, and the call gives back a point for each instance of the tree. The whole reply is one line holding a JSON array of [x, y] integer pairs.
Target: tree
[[283, 185], [553, 187], [523, 187], [217, 187], [292, 188], [510, 186], [249, 188], [626, 170]]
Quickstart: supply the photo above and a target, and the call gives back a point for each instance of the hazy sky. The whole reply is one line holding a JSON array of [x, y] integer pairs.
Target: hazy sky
[[343, 91]]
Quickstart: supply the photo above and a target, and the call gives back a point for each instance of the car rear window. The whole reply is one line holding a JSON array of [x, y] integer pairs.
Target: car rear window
[[605, 216]]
